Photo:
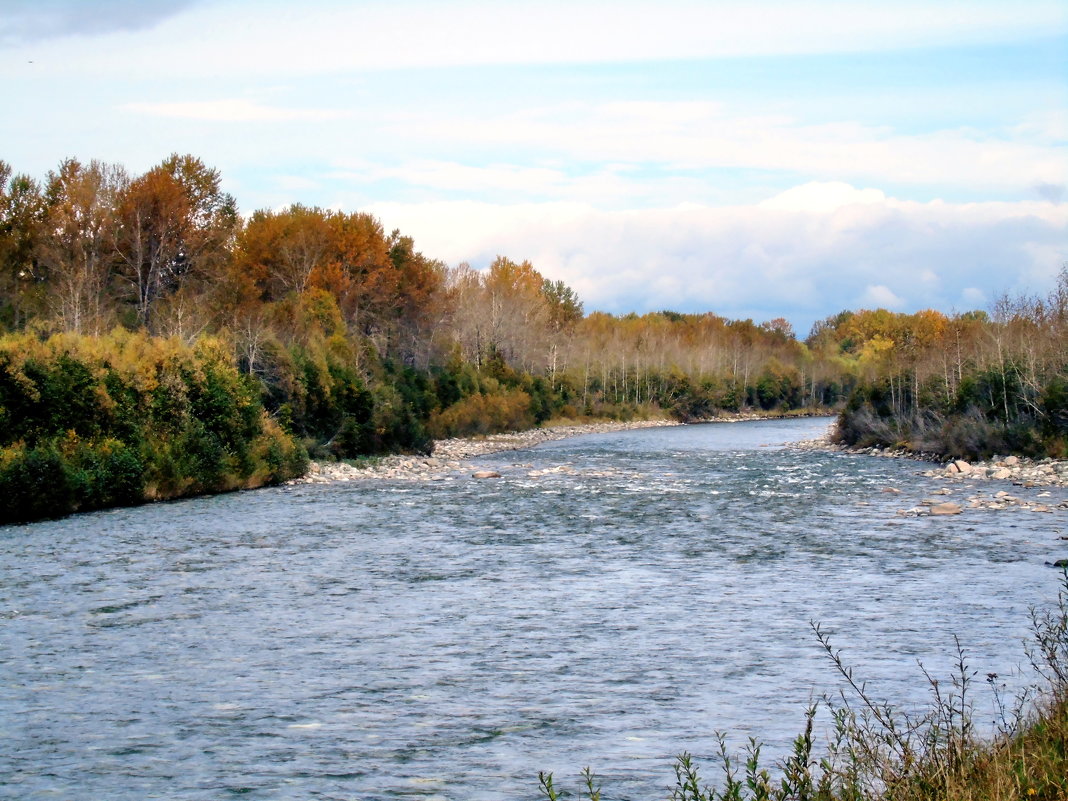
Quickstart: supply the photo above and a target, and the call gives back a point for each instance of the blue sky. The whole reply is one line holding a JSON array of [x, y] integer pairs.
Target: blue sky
[[756, 159]]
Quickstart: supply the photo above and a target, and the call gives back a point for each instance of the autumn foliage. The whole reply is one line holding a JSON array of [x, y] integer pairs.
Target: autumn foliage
[[161, 344]]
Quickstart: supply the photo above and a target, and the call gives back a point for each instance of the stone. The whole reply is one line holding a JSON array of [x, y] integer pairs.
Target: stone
[[1001, 473], [485, 474], [962, 466], [947, 508], [1010, 461]]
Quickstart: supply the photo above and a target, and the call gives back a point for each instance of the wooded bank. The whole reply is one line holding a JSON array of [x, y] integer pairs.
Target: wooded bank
[[160, 344]]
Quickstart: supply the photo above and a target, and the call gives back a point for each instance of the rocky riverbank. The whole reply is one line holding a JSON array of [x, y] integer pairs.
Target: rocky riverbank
[[966, 478], [1014, 469], [451, 456]]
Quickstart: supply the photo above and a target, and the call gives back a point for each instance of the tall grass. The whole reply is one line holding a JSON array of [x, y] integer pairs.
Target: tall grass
[[876, 752]]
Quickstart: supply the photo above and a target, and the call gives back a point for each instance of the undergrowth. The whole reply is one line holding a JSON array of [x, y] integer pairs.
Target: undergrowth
[[875, 752]]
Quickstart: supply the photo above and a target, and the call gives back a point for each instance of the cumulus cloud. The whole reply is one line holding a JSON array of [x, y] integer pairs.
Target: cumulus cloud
[[822, 197], [33, 20], [879, 296], [760, 260]]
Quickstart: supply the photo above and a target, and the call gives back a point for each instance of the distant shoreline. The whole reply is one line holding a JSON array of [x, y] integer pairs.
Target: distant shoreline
[[449, 455]]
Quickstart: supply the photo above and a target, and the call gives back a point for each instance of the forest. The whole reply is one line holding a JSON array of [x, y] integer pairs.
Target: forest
[[157, 343]]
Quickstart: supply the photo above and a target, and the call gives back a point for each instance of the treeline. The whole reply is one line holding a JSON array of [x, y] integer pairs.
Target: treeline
[[968, 386], [351, 341]]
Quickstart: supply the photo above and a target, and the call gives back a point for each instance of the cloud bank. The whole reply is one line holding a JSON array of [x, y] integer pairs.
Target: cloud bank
[[847, 248]]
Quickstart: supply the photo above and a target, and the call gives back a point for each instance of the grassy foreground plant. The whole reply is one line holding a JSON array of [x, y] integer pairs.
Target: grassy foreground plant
[[875, 751]]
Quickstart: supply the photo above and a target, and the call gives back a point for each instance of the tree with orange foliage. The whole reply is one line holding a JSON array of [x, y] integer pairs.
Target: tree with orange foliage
[[174, 224]]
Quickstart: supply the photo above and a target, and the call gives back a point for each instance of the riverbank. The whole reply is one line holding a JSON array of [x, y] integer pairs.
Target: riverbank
[[1017, 470], [450, 455]]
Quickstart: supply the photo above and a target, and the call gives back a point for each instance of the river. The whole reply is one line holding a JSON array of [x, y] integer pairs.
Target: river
[[610, 601]]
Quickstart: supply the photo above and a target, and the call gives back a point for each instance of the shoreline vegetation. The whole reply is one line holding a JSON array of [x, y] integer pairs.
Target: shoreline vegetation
[[876, 752], [155, 344]]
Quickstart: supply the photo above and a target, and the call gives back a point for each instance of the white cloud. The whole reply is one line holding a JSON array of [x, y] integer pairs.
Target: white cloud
[[821, 197], [287, 39], [754, 260], [602, 185], [693, 136], [878, 296]]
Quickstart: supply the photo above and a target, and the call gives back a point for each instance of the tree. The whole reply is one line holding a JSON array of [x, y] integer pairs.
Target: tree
[[564, 312], [564, 306], [282, 250], [518, 311], [359, 273], [79, 251], [22, 276], [420, 305], [466, 299], [175, 225]]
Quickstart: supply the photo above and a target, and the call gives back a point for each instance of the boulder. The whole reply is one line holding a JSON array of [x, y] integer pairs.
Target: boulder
[[962, 466], [1010, 461], [947, 508], [1001, 473], [485, 474]]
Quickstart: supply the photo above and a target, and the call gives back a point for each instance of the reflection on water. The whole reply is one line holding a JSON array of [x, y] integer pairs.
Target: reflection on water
[[612, 600]]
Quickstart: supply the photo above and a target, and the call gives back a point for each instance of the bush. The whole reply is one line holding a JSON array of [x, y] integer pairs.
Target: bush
[[35, 484], [92, 422], [484, 414]]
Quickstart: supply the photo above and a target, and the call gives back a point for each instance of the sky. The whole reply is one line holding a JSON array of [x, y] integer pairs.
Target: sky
[[755, 159]]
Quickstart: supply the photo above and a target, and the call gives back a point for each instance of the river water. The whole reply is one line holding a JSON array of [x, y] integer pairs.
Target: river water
[[611, 601]]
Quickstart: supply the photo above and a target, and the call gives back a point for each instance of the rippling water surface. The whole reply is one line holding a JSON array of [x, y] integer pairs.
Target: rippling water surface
[[612, 600]]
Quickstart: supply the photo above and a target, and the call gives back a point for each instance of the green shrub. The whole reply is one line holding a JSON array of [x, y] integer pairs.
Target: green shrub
[[35, 484]]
